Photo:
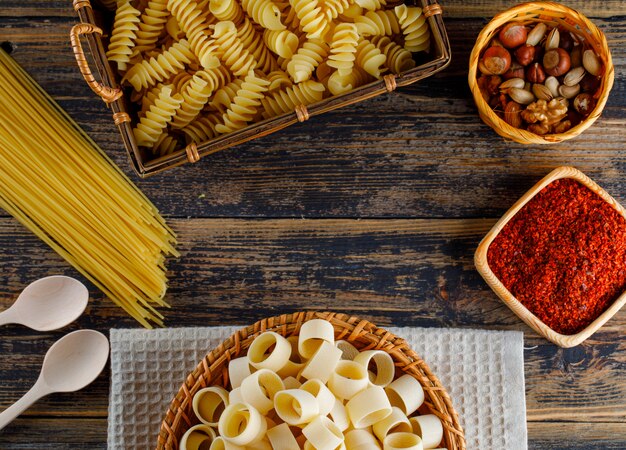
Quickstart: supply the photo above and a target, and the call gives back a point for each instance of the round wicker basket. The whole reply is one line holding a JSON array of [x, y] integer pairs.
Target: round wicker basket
[[553, 14], [212, 370]]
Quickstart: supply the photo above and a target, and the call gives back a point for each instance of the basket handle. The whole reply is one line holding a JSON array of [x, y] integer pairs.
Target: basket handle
[[106, 93]]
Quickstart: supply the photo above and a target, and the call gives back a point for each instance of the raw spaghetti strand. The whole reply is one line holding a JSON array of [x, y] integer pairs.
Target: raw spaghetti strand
[[57, 182]]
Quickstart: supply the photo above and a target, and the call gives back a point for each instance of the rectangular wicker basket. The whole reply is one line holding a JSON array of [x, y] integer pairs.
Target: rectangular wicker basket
[[125, 117]]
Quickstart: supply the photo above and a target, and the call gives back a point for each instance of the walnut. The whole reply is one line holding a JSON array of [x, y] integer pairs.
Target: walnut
[[562, 126], [539, 128], [547, 113]]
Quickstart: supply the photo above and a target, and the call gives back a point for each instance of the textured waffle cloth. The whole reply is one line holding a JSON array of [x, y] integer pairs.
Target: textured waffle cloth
[[482, 370]]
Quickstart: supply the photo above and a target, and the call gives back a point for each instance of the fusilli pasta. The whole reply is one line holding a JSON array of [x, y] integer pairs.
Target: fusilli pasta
[[370, 58], [153, 70], [197, 93], [195, 23], [313, 21], [378, 23], [284, 43], [286, 100], [245, 104], [414, 27], [233, 54], [264, 12], [152, 125], [153, 20], [306, 59], [343, 48], [252, 40], [227, 10], [123, 35], [224, 96], [398, 58]]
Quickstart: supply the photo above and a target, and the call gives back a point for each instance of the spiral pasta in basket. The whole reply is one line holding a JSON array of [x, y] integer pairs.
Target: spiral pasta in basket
[[300, 51], [312, 391]]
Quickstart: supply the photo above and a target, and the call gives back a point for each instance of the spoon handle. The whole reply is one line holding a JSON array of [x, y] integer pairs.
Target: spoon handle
[[6, 317], [17, 408]]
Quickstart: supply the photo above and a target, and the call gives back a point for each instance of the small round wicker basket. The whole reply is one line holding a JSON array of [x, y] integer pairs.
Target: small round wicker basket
[[212, 370], [552, 14]]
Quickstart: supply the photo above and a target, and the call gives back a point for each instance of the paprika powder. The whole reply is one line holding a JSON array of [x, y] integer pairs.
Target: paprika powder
[[563, 255]]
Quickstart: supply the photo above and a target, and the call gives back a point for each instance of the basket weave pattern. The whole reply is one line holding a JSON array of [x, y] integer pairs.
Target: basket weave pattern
[[213, 370], [553, 15]]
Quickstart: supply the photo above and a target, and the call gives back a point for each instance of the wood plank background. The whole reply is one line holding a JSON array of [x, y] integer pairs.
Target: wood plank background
[[375, 209]]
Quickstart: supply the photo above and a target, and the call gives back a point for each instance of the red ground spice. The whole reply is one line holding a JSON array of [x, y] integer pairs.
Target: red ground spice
[[563, 255]]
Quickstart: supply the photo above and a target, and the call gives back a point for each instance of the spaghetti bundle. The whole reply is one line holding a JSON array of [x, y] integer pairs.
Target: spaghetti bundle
[[57, 182]]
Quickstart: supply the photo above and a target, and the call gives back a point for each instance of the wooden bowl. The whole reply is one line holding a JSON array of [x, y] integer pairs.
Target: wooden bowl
[[212, 370], [482, 265], [552, 14]]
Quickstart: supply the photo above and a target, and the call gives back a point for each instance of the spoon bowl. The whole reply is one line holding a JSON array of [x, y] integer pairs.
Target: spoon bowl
[[73, 362], [48, 304]]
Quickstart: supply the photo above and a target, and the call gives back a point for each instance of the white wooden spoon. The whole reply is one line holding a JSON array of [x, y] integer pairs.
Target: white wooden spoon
[[48, 304], [72, 363]]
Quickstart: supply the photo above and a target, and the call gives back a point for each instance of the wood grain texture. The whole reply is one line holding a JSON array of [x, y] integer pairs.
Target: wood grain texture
[[403, 187], [415, 272]]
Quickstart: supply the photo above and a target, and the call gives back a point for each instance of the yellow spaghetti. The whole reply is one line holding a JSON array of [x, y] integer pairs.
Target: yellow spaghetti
[[58, 183]]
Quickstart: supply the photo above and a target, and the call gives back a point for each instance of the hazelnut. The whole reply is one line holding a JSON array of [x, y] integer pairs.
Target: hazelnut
[[513, 114], [539, 128], [525, 54], [584, 104], [513, 34], [535, 73], [516, 71], [497, 60], [556, 62]]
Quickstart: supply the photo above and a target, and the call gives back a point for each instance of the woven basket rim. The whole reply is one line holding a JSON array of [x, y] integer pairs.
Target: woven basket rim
[[212, 369], [542, 12]]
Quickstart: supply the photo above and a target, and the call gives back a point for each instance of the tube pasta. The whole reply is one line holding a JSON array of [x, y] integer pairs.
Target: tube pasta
[[325, 399], [260, 388], [361, 439], [348, 379], [261, 357], [209, 403], [348, 351], [402, 441], [219, 443], [429, 428], [266, 410], [395, 422], [282, 438], [322, 433], [406, 393], [339, 415], [312, 334], [238, 369], [235, 396], [323, 363], [385, 369], [198, 437], [368, 407], [296, 406], [242, 424]]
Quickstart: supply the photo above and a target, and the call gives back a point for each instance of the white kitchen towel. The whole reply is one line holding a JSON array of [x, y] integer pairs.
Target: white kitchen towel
[[482, 370]]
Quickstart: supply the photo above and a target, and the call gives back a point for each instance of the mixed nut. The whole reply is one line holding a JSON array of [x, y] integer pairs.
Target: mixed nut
[[538, 78]]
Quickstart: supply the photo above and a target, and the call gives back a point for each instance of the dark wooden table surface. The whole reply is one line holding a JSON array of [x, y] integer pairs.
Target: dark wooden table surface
[[373, 210]]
